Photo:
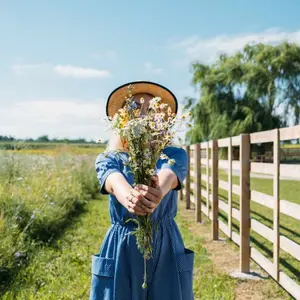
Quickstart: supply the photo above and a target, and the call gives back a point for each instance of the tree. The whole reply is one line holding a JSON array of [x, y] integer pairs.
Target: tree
[[43, 138], [242, 93], [6, 138]]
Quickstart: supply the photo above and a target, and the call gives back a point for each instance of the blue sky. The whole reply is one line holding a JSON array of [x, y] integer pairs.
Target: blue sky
[[59, 60]]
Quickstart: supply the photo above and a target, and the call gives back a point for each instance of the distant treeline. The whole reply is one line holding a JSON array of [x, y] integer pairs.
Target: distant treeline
[[46, 139]]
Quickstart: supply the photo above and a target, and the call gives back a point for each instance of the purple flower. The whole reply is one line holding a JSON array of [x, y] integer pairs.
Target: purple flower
[[18, 254], [132, 106]]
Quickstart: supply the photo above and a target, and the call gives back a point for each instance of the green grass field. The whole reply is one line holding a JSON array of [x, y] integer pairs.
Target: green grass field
[[50, 226], [293, 146], [39, 195], [50, 148]]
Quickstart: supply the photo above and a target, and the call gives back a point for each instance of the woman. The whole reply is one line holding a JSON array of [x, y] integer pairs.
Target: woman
[[117, 270]]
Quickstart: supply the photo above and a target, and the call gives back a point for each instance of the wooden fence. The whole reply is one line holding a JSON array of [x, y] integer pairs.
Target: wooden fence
[[193, 192]]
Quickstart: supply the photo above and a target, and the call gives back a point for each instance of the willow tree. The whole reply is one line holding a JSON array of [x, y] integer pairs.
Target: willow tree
[[256, 89]]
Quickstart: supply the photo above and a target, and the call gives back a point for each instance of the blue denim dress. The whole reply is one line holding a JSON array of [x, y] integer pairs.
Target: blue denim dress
[[118, 267]]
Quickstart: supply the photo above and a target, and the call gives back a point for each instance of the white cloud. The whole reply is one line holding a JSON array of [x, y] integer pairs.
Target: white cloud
[[78, 72], [62, 70], [206, 50], [149, 69], [56, 118], [24, 69]]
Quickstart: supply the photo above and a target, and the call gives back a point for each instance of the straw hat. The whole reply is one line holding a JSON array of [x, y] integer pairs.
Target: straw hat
[[116, 99]]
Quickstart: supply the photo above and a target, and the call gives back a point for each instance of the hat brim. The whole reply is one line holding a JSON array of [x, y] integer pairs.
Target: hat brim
[[116, 99]]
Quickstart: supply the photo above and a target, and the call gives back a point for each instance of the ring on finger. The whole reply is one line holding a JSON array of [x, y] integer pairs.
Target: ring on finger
[[131, 199]]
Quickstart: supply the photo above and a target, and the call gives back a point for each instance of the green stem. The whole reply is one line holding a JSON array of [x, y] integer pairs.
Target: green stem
[[145, 274]]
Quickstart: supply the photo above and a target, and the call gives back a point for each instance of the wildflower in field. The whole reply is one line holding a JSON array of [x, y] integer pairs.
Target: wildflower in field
[[17, 254]]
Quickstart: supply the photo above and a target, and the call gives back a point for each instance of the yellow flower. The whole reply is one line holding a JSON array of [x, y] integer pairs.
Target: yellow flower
[[124, 121]]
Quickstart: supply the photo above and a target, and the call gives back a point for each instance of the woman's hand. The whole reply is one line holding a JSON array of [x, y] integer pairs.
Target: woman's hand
[[137, 204], [144, 199], [151, 196]]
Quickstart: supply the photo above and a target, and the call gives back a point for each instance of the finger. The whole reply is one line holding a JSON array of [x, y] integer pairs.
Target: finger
[[137, 213], [135, 205], [141, 214], [136, 209], [149, 203], [139, 198], [147, 209], [135, 196], [149, 197], [143, 205], [136, 202], [154, 181], [135, 192], [154, 191]]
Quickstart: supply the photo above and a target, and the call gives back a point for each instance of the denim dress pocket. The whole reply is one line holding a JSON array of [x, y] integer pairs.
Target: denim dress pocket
[[185, 267], [103, 271]]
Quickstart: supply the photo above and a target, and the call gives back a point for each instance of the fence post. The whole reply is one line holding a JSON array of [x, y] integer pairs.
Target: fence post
[[245, 203], [215, 183], [276, 212], [180, 194], [207, 179], [230, 188], [187, 181], [197, 155]]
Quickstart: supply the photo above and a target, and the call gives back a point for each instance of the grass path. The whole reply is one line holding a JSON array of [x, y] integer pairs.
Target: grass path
[[63, 271]]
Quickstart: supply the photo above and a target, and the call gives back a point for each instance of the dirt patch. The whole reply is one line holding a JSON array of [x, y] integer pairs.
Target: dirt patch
[[225, 257]]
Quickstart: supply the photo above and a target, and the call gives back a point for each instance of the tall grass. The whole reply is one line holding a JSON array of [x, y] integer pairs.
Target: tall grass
[[38, 195]]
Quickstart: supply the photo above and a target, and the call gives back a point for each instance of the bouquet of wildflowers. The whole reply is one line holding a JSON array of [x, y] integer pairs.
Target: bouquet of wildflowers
[[146, 136]]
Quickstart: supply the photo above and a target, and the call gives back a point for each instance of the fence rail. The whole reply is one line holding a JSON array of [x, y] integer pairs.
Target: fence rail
[[207, 200]]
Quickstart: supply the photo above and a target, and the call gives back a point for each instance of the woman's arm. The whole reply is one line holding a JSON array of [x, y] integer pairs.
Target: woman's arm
[[117, 185], [167, 180]]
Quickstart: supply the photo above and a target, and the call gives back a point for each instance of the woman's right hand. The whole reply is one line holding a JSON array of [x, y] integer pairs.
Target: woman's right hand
[[137, 204]]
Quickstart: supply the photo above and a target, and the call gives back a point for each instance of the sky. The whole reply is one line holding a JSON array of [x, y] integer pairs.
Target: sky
[[59, 60]]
